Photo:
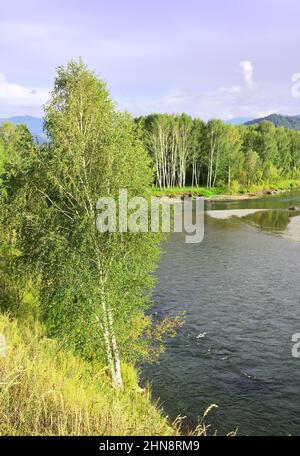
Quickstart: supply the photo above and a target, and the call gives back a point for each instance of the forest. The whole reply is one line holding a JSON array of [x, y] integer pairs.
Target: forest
[[187, 151]]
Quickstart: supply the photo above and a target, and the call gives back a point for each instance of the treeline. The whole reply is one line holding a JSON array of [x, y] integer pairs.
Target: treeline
[[189, 151]]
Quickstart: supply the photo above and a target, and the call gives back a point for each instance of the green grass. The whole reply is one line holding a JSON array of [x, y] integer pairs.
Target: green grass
[[283, 184], [236, 189], [176, 191], [47, 391]]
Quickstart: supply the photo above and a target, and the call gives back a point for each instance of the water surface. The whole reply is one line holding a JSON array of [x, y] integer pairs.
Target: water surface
[[240, 290]]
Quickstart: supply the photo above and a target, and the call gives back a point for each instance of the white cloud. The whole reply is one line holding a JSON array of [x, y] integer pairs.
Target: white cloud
[[230, 90], [223, 103], [15, 95], [247, 70]]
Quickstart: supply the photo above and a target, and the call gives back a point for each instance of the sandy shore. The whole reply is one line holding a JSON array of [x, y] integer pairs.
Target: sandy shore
[[246, 196], [224, 215]]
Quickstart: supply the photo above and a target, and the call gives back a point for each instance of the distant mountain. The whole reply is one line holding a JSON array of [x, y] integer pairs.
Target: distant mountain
[[292, 122], [34, 125], [238, 120]]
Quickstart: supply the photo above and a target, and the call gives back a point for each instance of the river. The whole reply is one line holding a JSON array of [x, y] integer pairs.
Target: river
[[240, 291]]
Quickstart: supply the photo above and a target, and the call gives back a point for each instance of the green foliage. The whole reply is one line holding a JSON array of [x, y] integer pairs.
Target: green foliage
[[93, 288], [216, 153], [17, 293]]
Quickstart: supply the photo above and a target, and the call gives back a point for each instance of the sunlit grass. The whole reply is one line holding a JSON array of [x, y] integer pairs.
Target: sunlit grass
[[203, 191], [47, 391], [235, 189]]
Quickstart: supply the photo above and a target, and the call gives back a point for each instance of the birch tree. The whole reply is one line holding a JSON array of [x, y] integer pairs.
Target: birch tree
[[232, 159], [198, 153], [169, 142], [94, 287], [184, 145], [215, 137], [159, 143], [294, 137]]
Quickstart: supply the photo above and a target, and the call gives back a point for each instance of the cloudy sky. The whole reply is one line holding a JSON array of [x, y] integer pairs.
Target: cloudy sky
[[216, 58]]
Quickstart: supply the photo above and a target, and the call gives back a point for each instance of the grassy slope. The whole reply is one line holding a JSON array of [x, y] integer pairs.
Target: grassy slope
[[46, 391]]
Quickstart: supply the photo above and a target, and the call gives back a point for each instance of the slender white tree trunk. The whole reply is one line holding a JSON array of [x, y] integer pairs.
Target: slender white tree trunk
[[111, 346], [117, 362]]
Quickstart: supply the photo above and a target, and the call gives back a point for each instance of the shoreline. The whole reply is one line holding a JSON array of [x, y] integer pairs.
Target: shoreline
[[247, 196], [178, 196]]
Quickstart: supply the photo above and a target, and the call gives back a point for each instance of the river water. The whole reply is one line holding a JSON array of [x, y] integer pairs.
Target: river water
[[240, 291]]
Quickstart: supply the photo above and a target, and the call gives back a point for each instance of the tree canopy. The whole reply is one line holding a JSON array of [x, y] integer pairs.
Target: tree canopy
[[93, 287]]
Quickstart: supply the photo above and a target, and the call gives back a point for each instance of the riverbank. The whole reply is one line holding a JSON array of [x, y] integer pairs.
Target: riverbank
[[47, 391], [238, 193]]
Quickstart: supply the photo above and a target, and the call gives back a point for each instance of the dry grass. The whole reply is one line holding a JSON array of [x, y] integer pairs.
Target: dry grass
[[46, 391]]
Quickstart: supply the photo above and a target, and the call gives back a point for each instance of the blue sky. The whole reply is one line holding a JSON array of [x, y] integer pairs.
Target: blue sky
[[216, 58]]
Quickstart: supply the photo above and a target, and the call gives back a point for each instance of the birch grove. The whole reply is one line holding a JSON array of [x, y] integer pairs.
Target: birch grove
[[188, 151], [170, 140]]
